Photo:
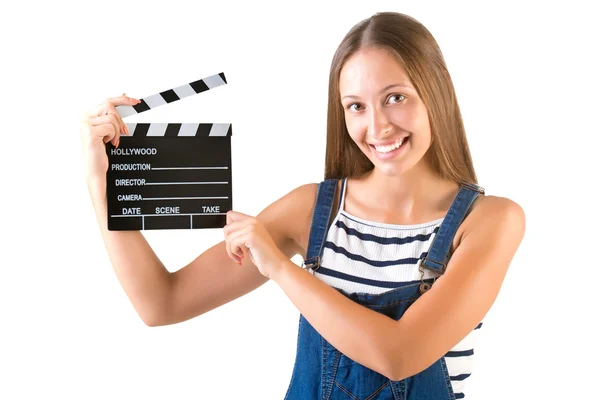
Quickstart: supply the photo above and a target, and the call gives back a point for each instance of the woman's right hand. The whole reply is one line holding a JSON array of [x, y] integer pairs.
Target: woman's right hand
[[99, 126]]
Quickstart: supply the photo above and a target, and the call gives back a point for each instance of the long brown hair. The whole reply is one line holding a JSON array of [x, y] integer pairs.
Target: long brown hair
[[422, 58]]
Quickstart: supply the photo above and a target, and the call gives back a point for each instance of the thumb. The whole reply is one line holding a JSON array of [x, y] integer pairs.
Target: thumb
[[233, 216]]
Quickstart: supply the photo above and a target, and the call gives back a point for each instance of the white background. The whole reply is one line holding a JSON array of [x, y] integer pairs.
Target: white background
[[526, 77]]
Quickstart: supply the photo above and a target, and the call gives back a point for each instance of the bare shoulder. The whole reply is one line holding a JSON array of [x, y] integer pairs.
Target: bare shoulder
[[501, 208], [294, 211], [496, 216]]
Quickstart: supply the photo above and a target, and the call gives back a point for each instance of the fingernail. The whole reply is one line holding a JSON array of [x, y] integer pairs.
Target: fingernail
[[126, 130]]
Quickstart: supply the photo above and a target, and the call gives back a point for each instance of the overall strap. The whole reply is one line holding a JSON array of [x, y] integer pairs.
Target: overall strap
[[320, 223], [438, 255]]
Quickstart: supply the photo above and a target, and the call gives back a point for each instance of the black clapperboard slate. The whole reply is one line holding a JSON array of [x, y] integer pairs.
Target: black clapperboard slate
[[170, 175]]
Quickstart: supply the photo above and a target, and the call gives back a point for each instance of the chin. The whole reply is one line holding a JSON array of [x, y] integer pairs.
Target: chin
[[391, 169]]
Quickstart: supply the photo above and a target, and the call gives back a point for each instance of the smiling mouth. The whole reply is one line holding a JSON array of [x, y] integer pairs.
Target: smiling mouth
[[384, 149], [389, 153]]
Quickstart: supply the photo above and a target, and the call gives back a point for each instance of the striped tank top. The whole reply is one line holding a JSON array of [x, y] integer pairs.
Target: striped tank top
[[372, 257]]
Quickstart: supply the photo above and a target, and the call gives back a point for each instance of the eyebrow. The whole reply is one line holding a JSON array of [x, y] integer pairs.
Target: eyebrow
[[388, 87]]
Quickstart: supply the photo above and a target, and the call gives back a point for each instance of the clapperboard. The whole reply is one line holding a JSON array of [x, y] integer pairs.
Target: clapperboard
[[170, 175]]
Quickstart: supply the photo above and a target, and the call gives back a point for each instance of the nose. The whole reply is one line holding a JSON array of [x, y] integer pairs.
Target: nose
[[379, 124]]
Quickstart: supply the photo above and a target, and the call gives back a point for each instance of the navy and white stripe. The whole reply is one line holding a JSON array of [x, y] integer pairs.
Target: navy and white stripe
[[171, 95], [373, 257], [363, 256]]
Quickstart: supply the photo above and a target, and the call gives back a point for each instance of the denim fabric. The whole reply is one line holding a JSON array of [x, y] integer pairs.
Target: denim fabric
[[324, 373]]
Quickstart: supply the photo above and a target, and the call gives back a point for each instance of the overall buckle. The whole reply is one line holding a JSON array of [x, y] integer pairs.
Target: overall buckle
[[312, 263], [425, 286]]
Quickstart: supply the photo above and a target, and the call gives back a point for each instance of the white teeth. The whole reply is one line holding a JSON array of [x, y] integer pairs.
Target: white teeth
[[387, 149]]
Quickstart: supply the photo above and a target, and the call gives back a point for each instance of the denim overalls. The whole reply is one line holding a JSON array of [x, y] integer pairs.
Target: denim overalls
[[321, 372]]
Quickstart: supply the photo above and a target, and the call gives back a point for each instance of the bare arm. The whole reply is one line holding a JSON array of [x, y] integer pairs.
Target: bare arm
[[212, 279], [437, 321], [142, 275], [209, 281]]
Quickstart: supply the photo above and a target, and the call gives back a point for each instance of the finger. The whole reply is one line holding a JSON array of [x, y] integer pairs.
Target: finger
[[233, 226], [228, 217], [229, 253], [109, 119], [238, 240], [101, 119], [107, 107], [230, 231], [229, 249], [111, 103], [101, 109], [123, 100], [106, 132], [236, 216], [232, 250], [119, 124]]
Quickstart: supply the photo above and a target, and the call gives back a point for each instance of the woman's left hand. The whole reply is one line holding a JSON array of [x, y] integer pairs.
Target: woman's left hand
[[245, 234]]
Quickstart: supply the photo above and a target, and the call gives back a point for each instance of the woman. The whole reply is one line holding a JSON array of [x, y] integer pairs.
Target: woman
[[404, 254]]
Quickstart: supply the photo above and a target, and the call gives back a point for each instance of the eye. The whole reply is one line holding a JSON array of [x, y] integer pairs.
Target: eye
[[352, 107], [397, 98]]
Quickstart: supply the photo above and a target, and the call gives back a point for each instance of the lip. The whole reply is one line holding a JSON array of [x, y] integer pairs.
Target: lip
[[392, 154], [388, 143]]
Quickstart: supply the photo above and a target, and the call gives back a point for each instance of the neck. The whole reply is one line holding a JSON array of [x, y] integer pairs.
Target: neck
[[413, 195]]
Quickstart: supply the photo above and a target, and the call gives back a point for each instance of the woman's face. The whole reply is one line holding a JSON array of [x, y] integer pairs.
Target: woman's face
[[381, 107]]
